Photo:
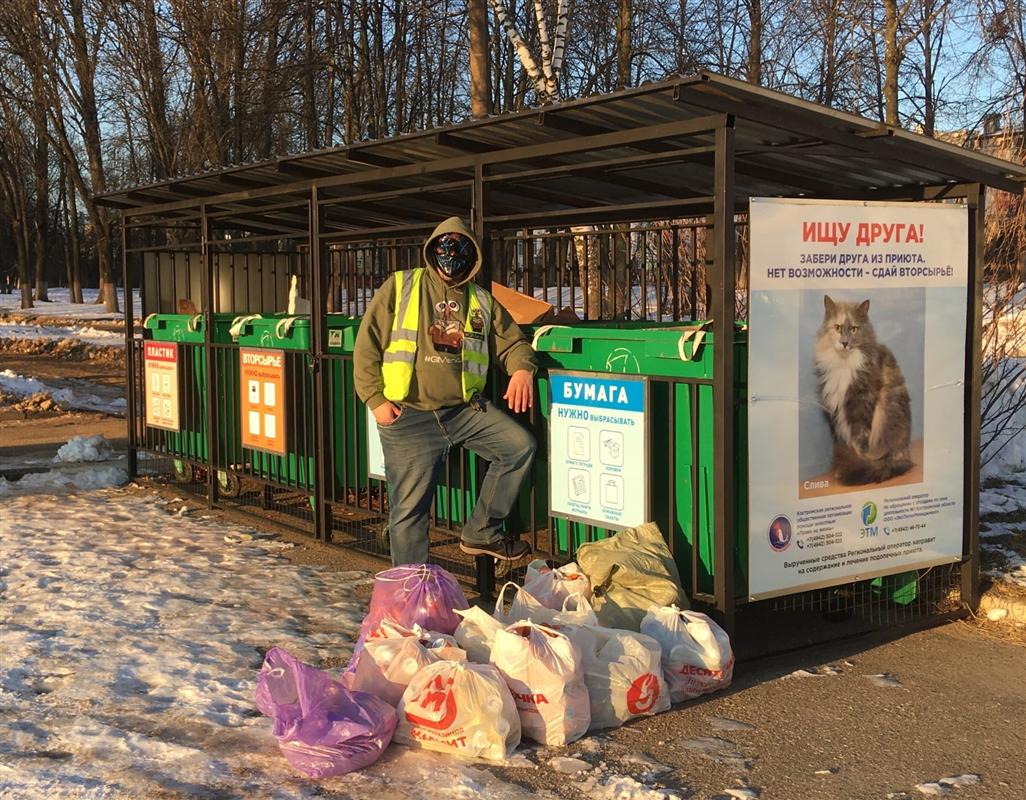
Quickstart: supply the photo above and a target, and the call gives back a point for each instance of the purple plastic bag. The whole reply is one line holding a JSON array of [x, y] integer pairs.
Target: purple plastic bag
[[322, 728], [412, 594]]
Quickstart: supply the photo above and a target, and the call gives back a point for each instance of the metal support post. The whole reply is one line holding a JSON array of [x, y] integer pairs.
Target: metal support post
[[207, 299], [130, 360], [485, 566], [319, 331], [976, 200], [724, 394]]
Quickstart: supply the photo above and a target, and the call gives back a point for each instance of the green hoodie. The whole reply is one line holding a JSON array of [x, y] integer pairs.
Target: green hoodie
[[437, 374]]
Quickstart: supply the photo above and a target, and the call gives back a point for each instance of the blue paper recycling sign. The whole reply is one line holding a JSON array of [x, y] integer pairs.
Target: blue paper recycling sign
[[598, 448]]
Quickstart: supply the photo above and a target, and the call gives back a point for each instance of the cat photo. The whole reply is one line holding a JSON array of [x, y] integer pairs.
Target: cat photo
[[863, 391]]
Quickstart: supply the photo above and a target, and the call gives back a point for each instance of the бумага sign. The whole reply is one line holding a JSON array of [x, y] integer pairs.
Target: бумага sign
[[598, 448]]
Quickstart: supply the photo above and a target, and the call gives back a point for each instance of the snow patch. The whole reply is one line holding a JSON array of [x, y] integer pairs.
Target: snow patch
[[59, 481], [60, 305], [84, 448], [568, 765], [622, 787], [742, 793], [814, 672], [725, 724], [885, 681], [945, 785], [958, 781], [134, 640], [88, 334], [22, 386]]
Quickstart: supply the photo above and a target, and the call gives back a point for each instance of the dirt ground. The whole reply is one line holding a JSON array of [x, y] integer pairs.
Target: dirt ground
[[32, 438], [872, 717]]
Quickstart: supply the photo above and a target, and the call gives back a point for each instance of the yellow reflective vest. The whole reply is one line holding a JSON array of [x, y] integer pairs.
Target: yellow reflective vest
[[400, 357]]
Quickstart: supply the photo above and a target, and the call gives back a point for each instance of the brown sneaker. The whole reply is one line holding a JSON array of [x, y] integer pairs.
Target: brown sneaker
[[503, 548]]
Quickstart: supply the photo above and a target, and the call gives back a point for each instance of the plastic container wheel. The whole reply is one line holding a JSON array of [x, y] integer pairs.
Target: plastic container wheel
[[181, 471], [228, 483]]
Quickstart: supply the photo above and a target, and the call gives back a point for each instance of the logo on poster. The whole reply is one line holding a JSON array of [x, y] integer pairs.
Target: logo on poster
[[780, 534], [869, 513]]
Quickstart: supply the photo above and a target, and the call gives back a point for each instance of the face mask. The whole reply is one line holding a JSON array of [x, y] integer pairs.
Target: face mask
[[455, 255]]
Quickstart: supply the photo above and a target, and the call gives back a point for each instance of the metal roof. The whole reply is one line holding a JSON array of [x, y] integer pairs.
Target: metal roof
[[645, 148]]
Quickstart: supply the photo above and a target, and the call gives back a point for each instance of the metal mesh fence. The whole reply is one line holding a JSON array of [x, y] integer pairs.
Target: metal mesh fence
[[655, 272]]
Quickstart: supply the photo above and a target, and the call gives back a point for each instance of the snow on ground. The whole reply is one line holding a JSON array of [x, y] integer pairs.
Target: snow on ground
[[132, 642], [95, 477], [87, 334], [84, 448], [22, 386], [60, 307], [1009, 345], [1003, 529]]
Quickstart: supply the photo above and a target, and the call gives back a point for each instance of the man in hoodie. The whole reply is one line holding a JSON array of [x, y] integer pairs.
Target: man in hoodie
[[421, 363]]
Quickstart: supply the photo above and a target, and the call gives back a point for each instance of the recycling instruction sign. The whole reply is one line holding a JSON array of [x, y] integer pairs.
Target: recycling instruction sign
[[598, 448]]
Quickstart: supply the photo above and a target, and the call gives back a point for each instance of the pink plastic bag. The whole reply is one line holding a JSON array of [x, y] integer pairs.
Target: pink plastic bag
[[322, 728], [412, 594]]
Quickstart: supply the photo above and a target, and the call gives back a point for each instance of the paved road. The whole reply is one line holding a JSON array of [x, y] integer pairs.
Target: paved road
[[960, 709]]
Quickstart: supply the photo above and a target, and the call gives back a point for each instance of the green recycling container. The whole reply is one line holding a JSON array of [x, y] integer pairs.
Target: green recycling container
[[295, 468], [189, 444], [681, 423]]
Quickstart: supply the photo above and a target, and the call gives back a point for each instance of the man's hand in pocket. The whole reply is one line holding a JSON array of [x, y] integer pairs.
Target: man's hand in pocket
[[387, 413]]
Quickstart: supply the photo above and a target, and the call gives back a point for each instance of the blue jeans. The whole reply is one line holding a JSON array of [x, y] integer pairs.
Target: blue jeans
[[415, 447]]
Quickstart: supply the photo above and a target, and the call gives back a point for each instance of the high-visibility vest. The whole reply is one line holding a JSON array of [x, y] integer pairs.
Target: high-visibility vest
[[400, 356]]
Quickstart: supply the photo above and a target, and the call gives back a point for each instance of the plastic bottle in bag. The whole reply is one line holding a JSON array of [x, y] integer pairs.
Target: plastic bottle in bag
[[459, 708], [395, 654], [421, 594], [623, 672], [552, 586], [323, 729], [545, 674], [575, 609], [697, 657], [476, 633]]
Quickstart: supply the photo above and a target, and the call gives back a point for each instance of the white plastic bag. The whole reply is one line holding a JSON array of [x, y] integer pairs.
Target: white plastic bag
[[543, 670], [476, 632], [623, 673], [575, 610], [459, 708], [697, 657], [394, 654], [553, 586]]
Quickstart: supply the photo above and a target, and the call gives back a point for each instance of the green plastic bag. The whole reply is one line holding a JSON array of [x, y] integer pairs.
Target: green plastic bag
[[902, 588]]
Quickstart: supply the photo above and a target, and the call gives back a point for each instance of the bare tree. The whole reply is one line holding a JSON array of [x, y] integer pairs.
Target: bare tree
[[41, 178], [480, 77], [14, 157]]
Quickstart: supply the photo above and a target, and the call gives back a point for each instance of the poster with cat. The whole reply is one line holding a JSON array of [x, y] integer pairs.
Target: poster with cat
[[856, 390]]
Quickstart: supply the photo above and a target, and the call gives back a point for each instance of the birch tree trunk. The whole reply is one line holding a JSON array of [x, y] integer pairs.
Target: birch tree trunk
[[75, 260], [41, 176]]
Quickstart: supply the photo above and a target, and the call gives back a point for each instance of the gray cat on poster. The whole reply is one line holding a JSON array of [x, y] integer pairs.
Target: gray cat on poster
[[863, 390]]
